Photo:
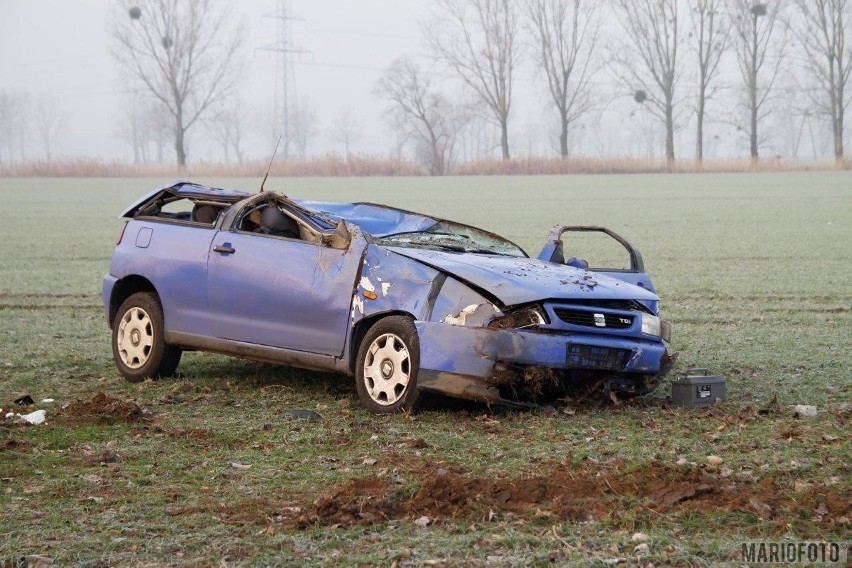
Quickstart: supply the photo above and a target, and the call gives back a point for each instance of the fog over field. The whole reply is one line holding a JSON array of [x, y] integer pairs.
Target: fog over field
[[65, 92]]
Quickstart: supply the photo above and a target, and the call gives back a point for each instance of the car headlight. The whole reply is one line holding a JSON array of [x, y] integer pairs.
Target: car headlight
[[525, 318], [651, 325]]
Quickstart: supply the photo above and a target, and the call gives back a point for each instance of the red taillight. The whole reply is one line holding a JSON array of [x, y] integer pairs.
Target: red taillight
[[120, 235]]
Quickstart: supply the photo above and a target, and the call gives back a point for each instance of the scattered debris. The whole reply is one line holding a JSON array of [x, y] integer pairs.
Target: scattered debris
[[805, 411], [639, 537], [642, 548], [370, 461], [24, 400], [771, 406], [238, 465], [715, 460], [37, 417], [302, 414]]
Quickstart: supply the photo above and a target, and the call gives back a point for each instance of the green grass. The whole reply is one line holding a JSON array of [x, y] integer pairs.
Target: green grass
[[753, 269]]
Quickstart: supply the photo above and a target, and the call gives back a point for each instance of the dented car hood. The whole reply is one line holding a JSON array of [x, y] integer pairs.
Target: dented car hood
[[517, 280]]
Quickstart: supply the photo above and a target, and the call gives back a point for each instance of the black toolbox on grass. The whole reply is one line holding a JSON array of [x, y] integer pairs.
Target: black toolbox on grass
[[697, 389]]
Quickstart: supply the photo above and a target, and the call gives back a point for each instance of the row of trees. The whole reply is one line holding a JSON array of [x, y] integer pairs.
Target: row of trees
[[652, 48], [182, 61], [25, 118]]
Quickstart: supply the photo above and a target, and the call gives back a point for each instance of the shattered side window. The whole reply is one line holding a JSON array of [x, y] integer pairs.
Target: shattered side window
[[446, 235], [183, 209]]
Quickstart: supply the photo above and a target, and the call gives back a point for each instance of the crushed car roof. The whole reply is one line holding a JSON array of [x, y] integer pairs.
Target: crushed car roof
[[377, 220], [188, 189]]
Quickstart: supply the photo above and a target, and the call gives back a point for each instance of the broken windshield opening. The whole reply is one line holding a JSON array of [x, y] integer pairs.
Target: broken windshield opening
[[448, 236]]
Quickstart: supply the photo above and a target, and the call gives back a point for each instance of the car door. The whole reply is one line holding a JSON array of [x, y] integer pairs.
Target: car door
[[282, 292], [598, 249]]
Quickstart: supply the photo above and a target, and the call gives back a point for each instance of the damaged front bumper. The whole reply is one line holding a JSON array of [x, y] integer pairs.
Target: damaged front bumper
[[474, 362]]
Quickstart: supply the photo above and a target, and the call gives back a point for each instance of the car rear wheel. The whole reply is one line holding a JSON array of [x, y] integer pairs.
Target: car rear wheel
[[387, 365], [138, 344]]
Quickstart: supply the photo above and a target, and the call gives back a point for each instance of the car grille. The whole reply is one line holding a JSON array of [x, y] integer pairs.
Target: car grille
[[592, 357], [584, 318]]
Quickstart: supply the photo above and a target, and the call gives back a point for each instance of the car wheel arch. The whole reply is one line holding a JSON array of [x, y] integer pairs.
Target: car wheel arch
[[362, 327], [125, 288]]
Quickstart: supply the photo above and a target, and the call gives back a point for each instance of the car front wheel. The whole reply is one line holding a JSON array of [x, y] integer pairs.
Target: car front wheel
[[138, 344], [387, 365]]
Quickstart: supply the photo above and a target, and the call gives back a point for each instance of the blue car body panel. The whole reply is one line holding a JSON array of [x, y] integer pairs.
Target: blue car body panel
[[516, 280], [282, 292], [175, 261], [307, 303], [377, 220]]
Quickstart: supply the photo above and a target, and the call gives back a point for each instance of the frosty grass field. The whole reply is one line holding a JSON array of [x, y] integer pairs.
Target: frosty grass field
[[754, 271]]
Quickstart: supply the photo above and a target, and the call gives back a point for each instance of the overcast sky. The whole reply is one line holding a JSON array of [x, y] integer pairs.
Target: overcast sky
[[61, 48]]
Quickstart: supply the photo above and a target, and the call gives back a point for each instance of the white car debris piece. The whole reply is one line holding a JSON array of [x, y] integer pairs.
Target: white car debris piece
[[37, 417], [805, 411]]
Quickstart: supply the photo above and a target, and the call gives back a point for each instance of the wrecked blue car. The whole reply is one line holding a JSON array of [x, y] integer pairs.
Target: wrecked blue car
[[402, 301]]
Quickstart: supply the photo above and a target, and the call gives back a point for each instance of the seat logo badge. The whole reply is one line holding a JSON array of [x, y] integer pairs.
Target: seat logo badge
[[600, 321]]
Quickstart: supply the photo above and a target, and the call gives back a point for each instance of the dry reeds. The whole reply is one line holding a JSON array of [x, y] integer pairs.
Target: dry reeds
[[366, 165]]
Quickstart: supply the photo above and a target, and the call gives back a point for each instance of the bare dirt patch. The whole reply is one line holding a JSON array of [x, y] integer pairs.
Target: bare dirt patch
[[569, 494], [103, 409]]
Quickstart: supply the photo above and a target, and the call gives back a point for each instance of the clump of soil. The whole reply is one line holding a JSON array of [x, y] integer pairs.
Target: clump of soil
[[360, 501], [104, 409], [11, 444]]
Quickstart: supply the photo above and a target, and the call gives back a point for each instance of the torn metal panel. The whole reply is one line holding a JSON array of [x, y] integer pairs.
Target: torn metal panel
[[458, 304], [392, 283]]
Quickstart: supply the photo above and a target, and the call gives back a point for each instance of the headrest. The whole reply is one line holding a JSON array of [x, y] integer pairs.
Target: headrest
[[204, 214], [274, 220]]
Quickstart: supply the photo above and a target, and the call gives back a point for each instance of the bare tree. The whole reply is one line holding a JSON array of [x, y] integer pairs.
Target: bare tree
[[228, 124], [760, 53], [429, 117], [14, 116], [345, 130], [183, 53], [710, 38], [566, 36], [653, 36], [7, 113], [50, 121], [133, 127], [476, 39], [304, 127], [822, 31]]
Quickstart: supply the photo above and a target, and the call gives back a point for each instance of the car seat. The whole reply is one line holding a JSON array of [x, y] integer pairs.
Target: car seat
[[274, 222]]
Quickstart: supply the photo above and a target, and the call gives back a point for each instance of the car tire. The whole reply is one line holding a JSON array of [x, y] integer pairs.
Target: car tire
[[138, 340], [387, 365]]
